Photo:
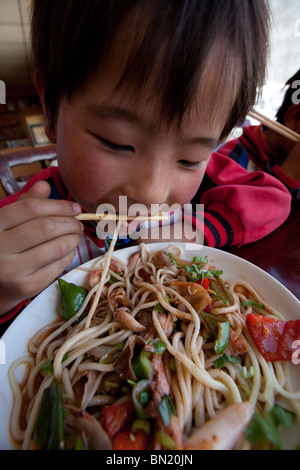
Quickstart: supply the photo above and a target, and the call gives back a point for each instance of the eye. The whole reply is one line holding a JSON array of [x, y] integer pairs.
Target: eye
[[115, 147], [191, 165]]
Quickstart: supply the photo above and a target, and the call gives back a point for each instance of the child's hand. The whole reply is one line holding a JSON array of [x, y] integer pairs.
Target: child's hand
[[291, 166], [38, 237]]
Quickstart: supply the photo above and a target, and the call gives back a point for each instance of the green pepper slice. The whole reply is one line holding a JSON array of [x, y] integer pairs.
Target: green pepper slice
[[158, 346], [222, 337], [219, 329], [218, 286], [72, 298], [211, 323], [49, 430], [142, 366]]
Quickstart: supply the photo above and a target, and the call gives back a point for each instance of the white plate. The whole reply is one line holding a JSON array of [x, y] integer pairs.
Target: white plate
[[44, 309]]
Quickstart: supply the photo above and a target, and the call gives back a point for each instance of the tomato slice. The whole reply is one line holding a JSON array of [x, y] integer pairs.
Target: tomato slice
[[204, 283], [116, 417], [273, 338], [127, 440]]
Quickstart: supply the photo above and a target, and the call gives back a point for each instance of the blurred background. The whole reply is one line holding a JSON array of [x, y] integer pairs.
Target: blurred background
[[285, 53]]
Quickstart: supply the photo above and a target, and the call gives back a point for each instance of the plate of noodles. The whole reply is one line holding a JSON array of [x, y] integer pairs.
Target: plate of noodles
[[154, 347]]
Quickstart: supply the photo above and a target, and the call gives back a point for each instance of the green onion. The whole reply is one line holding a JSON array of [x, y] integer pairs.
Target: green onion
[[74, 442], [252, 303], [108, 384], [79, 444], [172, 364], [138, 396], [222, 360], [199, 259], [159, 308], [47, 367], [165, 440], [245, 391], [166, 408], [131, 382], [190, 269], [113, 279], [145, 397], [141, 425], [170, 256], [159, 346], [247, 374], [125, 390], [215, 272]]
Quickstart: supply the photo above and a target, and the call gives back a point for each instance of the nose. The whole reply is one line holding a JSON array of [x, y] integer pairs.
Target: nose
[[149, 184]]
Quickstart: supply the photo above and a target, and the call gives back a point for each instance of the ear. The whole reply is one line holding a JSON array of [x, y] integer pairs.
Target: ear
[[39, 85], [292, 117]]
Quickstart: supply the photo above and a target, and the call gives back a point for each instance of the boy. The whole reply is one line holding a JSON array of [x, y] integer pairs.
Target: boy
[[137, 94]]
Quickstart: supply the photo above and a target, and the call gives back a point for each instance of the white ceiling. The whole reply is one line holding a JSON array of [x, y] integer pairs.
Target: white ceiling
[[15, 64]]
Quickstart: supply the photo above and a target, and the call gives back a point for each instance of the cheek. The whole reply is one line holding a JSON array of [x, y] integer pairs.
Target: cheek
[[82, 175], [81, 168], [188, 187]]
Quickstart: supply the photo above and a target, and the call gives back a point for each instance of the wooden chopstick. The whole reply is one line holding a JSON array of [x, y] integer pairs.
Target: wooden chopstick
[[276, 126], [89, 216]]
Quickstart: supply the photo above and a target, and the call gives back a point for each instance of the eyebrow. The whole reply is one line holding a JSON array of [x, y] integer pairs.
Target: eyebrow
[[117, 113]]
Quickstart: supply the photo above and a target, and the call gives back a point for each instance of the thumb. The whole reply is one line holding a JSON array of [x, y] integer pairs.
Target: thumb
[[40, 190]]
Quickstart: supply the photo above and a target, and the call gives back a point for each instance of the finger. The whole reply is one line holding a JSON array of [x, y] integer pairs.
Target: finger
[[50, 252], [30, 208], [40, 190], [50, 273], [37, 232], [34, 283]]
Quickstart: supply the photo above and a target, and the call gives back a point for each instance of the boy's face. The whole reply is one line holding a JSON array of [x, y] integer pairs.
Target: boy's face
[[109, 146]]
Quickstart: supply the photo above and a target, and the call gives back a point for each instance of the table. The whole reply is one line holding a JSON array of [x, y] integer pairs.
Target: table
[[278, 254]]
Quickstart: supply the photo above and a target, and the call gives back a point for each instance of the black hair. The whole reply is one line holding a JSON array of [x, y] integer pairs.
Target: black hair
[[70, 40], [288, 97]]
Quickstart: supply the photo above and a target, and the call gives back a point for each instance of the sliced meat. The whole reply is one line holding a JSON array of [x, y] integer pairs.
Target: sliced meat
[[194, 293]]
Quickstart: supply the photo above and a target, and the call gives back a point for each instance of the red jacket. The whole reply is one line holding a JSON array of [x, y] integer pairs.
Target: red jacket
[[245, 194], [252, 151]]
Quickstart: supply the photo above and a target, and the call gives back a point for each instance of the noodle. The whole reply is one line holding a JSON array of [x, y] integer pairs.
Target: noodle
[[198, 388], [103, 277]]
